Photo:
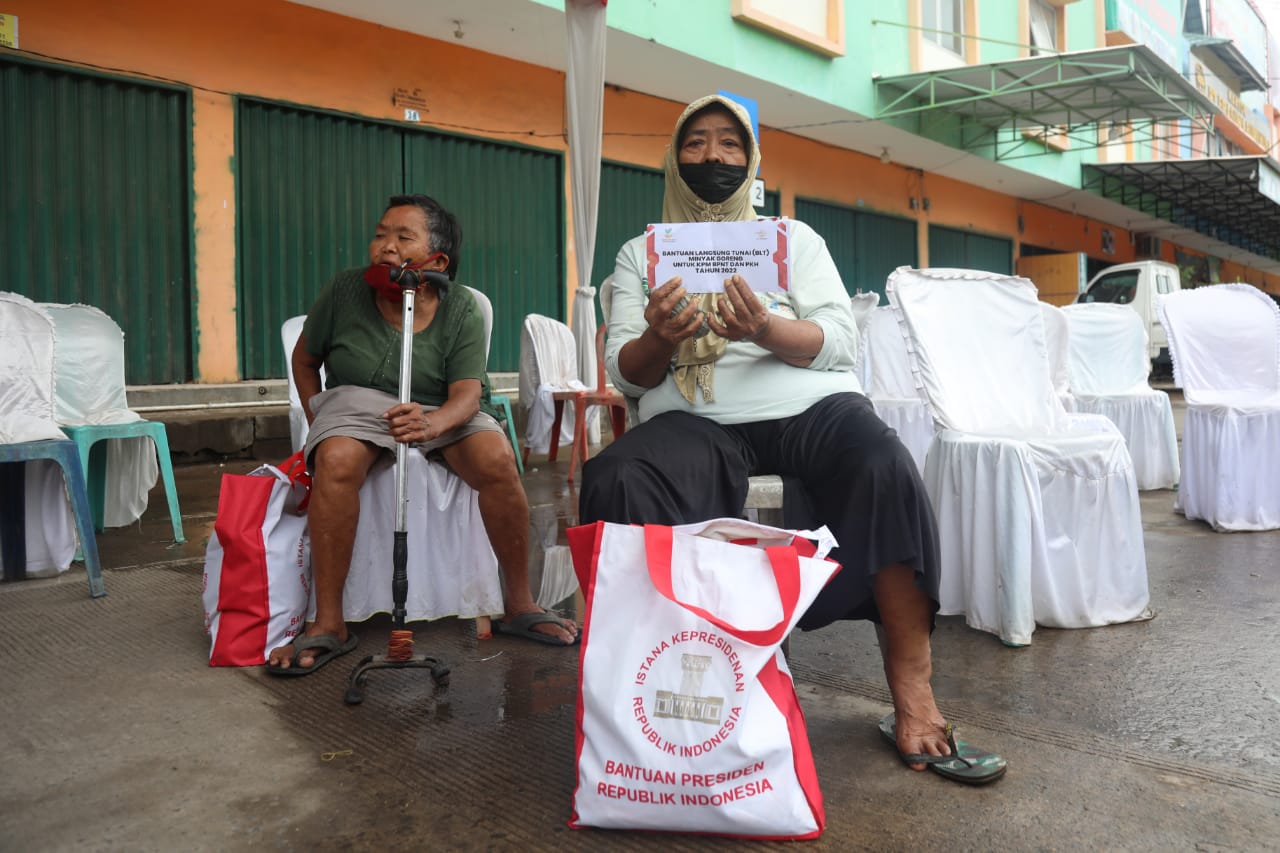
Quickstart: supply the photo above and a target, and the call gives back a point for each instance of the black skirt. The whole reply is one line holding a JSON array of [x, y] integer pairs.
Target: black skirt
[[841, 466]]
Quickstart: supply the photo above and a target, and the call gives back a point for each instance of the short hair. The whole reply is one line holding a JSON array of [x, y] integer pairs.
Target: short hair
[[443, 230]]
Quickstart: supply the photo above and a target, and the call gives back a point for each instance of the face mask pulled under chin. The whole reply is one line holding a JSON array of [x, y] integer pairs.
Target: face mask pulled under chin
[[378, 276], [713, 182]]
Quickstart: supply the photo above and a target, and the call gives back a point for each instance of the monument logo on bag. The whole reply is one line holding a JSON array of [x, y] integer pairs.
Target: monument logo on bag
[[687, 704], [676, 661]]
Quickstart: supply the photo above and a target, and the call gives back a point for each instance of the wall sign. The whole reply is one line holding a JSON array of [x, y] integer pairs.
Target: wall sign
[[8, 31]]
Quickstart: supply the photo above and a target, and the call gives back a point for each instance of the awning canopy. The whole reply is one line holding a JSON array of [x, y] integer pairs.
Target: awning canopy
[[1009, 105], [1231, 56], [1232, 199]]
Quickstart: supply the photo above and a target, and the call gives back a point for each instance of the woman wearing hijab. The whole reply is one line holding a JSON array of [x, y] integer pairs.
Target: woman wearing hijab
[[742, 383]]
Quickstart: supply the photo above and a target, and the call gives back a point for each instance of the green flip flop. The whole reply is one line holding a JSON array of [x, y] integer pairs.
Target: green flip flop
[[966, 763]]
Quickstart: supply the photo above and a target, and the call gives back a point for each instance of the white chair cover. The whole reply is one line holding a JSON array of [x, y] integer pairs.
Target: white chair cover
[[1108, 376], [863, 305], [1057, 342], [1038, 511], [1225, 343], [548, 363], [891, 386], [27, 414], [290, 331], [452, 568], [90, 385]]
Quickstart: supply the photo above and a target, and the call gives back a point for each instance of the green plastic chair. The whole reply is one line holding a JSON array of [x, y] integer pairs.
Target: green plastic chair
[[89, 387], [27, 387]]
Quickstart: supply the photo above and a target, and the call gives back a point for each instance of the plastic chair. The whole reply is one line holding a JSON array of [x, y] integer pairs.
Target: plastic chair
[[1225, 343], [548, 374], [445, 531], [1057, 340], [91, 408], [863, 305], [28, 433], [1037, 510], [1108, 376], [891, 387]]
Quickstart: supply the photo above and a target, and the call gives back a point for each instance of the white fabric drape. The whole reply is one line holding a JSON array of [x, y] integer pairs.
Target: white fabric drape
[[1108, 368], [452, 568], [584, 97], [1037, 509], [27, 414], [863, 305], [90, 392], [547, 365], [1057, 342], [891, 387], [584, 337], [1225, 343], [50, 524]]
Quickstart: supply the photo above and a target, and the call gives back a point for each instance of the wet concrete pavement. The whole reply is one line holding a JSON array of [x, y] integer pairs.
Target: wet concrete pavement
[[1159, 735]]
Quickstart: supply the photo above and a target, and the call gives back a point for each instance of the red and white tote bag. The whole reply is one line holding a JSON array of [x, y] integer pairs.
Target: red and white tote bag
[[687, 717], [257, 568]]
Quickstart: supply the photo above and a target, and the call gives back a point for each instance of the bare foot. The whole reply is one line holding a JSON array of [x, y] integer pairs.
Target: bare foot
[[921, 735], [282, 657]]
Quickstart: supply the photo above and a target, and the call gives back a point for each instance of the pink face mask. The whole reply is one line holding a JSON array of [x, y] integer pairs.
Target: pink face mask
[[379, 277]]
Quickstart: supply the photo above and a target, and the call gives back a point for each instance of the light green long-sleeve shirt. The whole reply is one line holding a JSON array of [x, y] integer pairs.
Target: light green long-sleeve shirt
[[751, 384]]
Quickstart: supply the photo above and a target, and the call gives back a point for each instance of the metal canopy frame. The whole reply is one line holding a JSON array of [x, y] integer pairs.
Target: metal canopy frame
[[1011, 105], [1218, 197], [1231, 56]]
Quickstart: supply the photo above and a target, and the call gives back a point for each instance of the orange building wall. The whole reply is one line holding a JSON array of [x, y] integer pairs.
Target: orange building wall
[[277, 50]]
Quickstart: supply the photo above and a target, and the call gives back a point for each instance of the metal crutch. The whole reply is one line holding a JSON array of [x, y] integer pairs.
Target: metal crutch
[[399, 654]]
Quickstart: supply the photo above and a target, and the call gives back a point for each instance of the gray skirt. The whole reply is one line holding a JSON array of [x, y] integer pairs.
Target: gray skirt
[[356, 412]]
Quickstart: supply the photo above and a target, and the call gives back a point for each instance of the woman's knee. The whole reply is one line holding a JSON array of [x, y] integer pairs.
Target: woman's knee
[[485, 462], [342, 461]]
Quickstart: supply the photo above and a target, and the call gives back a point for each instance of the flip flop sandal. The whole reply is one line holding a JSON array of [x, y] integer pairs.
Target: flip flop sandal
[[522, 626], [328, 644], [966, 763]]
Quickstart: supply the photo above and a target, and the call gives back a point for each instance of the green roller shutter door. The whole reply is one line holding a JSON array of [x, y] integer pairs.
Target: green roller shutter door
[[312, 184], [97, 206], [508, 199], [630, 198], [884, 244], [865, 246], [837, 226], [951, 247]]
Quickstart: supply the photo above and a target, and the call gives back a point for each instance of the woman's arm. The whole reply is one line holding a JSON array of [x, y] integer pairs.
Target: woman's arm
[[306, 375], [644, 360]]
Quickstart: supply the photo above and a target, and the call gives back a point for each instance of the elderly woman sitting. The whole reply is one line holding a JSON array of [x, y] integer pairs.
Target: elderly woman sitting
[[353, 330], [739, 383]]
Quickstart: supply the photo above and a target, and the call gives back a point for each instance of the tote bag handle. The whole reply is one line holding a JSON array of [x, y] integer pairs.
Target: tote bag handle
[[784, 560]]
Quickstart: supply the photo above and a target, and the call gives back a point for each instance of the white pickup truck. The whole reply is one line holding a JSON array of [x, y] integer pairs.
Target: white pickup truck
[[1139, 284]]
